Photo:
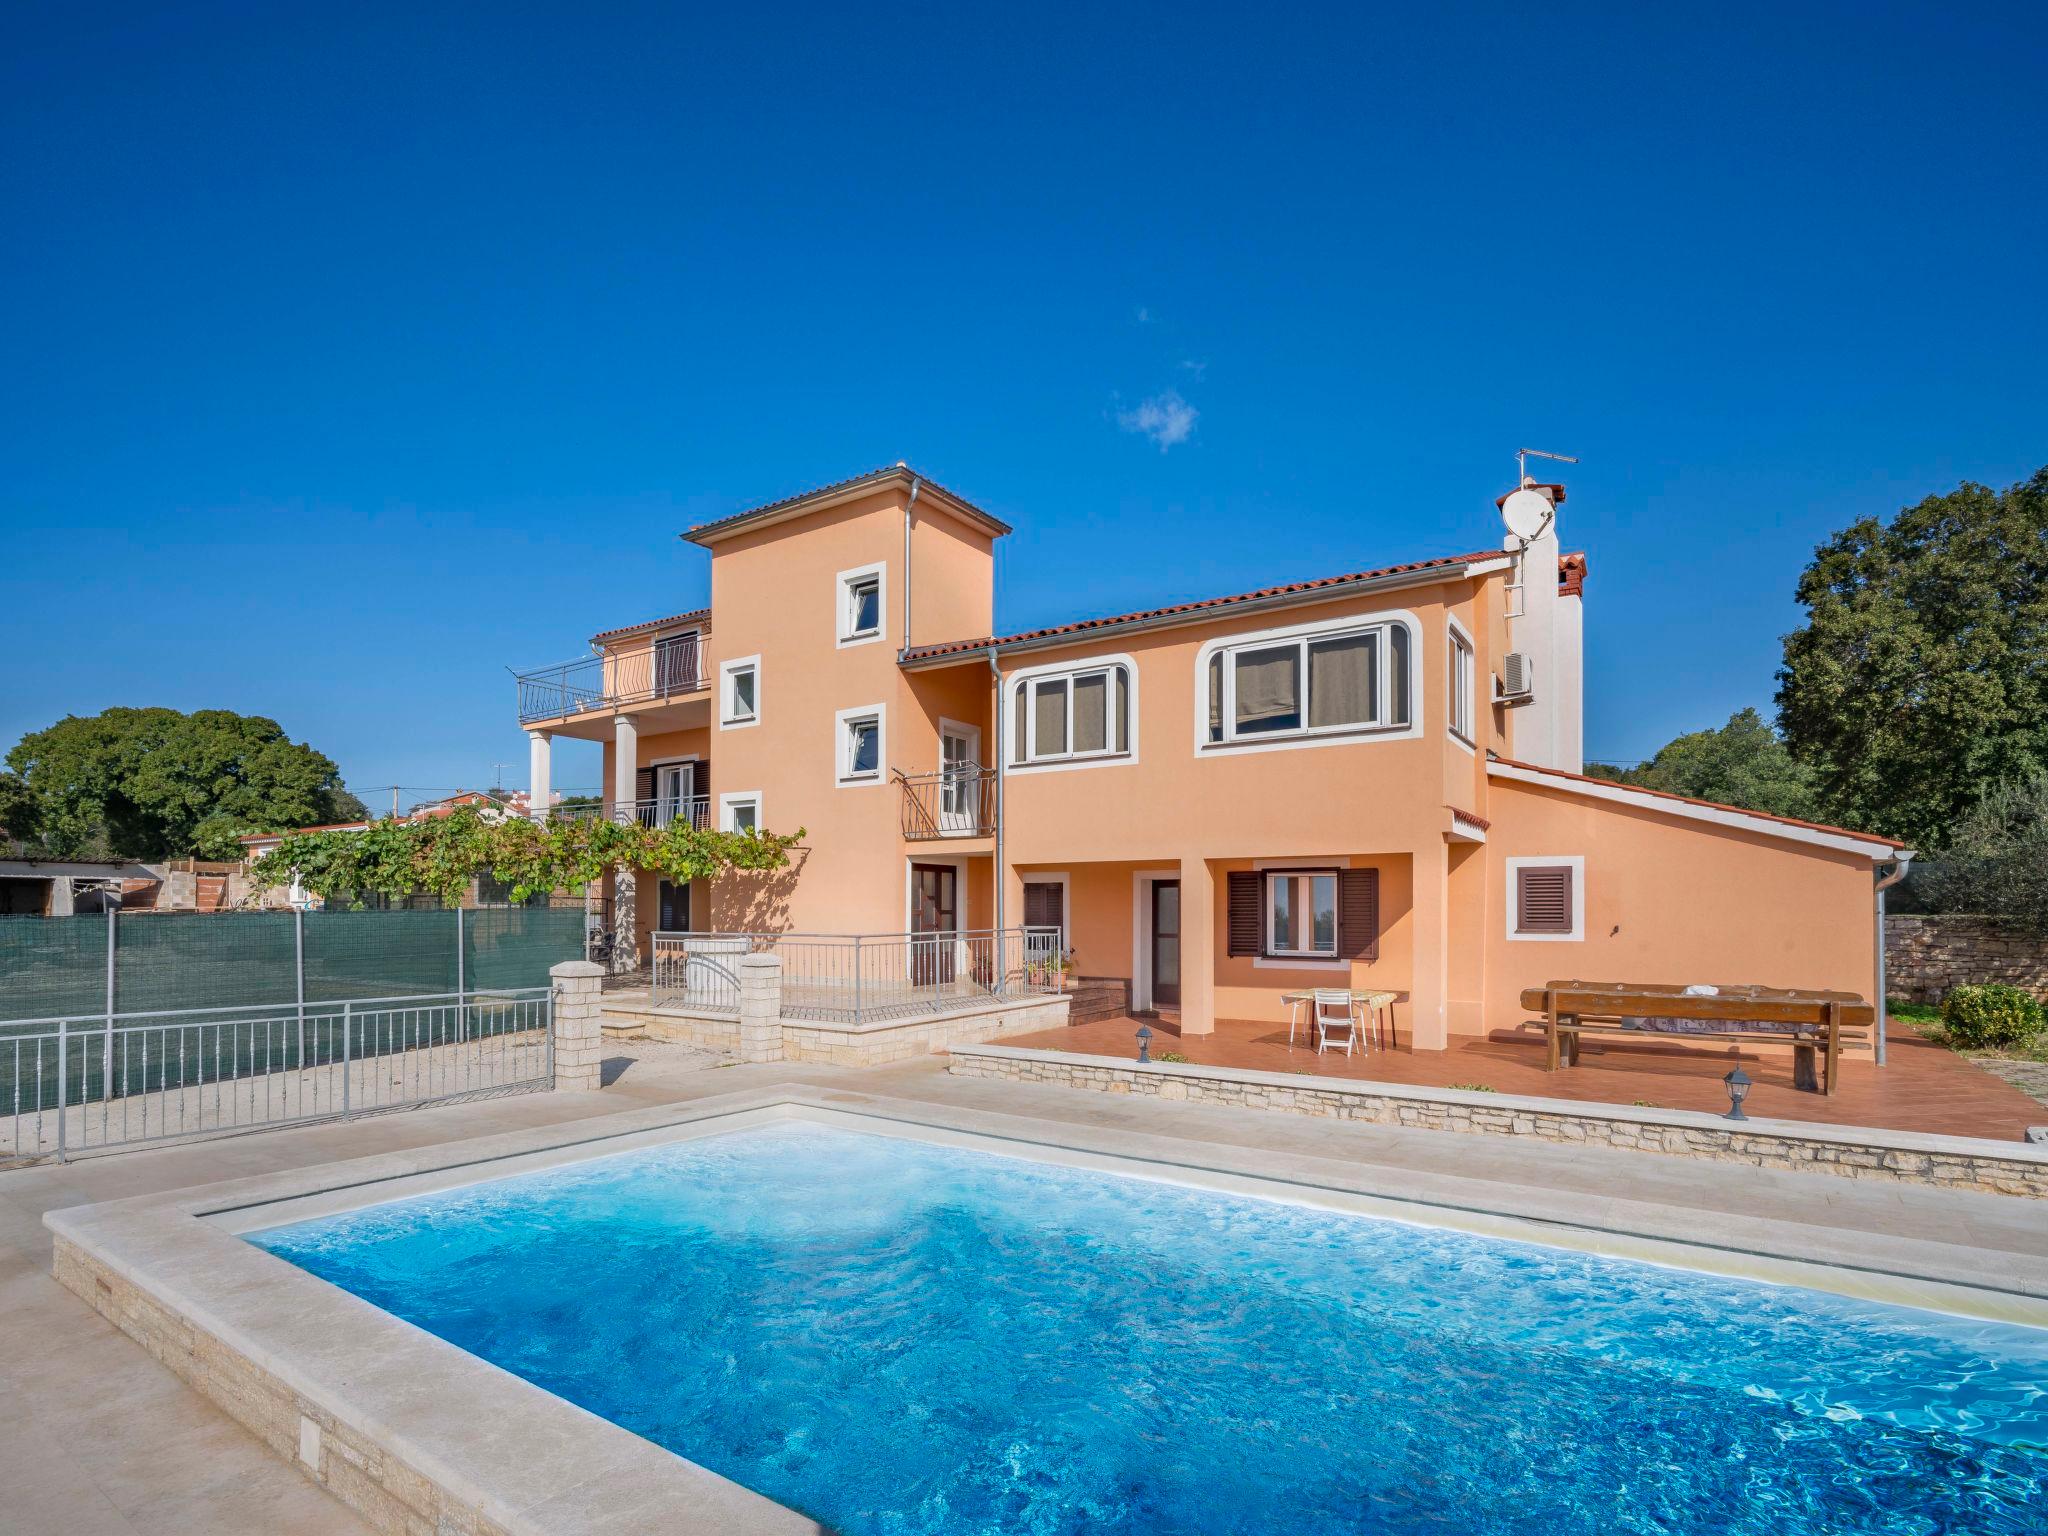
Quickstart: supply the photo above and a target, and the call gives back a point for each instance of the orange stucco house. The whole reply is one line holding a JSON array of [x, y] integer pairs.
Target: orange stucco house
[[1369, 778]]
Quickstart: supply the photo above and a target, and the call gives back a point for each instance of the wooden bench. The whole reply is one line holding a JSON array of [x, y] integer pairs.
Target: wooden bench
[[1810, 1022]]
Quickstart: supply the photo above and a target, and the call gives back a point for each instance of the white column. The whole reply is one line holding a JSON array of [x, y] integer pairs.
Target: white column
[[540, 791], [625, 761], [625, 879]]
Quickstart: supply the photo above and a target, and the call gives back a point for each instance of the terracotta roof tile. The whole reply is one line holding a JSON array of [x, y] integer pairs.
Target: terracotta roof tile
[[1177, 610], [675, 618], [874, 476]]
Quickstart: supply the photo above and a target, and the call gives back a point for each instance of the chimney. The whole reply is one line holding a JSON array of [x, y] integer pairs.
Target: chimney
[[1545, 627]]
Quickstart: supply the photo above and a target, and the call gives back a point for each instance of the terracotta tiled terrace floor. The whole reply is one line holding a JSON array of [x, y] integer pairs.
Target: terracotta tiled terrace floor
[[1921, 1087]]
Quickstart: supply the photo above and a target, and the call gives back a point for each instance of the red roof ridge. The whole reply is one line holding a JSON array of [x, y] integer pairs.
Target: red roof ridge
[[887, 471], [1712, 805], [1083, 626]]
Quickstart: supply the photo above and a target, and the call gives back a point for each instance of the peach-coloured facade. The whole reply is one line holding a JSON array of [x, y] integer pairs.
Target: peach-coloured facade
[[1265, 792]]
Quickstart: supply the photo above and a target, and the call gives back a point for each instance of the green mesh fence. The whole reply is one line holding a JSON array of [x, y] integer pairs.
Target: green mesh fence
[[379, 954], [507, 947], [178, 960], [52, 965]]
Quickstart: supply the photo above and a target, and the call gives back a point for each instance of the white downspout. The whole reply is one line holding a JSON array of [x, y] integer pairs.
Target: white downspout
[[908, 506]]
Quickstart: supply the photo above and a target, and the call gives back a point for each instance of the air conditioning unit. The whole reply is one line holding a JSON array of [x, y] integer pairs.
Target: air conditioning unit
[[1517, 681]]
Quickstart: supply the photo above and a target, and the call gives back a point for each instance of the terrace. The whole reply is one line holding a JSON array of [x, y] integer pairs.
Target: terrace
[[663, 670]]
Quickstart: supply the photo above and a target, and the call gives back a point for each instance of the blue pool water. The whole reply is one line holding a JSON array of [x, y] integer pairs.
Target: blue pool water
[[894, 1337]]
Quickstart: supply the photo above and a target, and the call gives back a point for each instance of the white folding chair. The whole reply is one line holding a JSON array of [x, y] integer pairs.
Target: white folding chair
[[1335, 1019]]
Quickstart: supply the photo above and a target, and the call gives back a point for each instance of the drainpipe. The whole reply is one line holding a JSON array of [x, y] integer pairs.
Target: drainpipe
[[1898, 873], [908, 507], [1002, 756]]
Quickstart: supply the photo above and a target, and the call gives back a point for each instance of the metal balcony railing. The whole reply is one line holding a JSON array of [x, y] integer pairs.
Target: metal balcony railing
[[695, 809], [953, 802], [671, 667]]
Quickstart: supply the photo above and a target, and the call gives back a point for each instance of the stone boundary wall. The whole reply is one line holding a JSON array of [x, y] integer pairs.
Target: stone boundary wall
[[392, 1497], [1948, 1162], [1925, 954]]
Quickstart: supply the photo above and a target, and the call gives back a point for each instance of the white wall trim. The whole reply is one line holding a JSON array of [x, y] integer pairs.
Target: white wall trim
[[880, 571], [1717, 815], [1453, 626], [740, 797], [725, 672], [839, 756], [1577, 864], [1418, 708], [1015, 682], [1141, 933], [1305, 861]]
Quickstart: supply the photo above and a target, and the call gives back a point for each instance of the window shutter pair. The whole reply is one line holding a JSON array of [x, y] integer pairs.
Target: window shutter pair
[[1543, 898], [1358, 913]]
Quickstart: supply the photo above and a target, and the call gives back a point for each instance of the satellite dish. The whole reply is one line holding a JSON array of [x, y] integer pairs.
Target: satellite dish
[[1527, 514]]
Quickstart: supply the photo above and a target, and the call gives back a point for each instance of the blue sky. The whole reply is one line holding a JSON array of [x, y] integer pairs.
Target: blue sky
[[350, 359]]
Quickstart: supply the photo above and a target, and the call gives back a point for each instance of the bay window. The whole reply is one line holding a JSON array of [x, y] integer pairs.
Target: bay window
[[1070, 716], [1315, 683]]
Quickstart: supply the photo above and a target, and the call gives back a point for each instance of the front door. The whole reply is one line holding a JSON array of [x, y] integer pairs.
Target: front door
[[675, 908], [934, 921], [1165, 943]]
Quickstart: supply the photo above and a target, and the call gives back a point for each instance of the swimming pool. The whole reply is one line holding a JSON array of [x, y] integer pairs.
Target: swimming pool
[[894, 1337]]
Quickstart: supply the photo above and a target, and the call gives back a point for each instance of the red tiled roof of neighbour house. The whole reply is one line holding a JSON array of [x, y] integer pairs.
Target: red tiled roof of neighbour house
[[700, 532], [693, 616], [1712, 805], [1197, 609]]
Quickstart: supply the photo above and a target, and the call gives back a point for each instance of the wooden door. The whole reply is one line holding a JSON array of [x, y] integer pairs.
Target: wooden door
[[934, 921], [1165, 943]]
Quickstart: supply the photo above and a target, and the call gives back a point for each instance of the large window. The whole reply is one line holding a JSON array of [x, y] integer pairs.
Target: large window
[[1068, 716], [1301, 914], [1461, 675], [861, 604], [740, 692], [1322, 682]]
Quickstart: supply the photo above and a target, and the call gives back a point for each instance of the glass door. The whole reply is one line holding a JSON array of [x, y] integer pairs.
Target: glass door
[[959, 783], [934, 922], [675, 786], [1165, 943]]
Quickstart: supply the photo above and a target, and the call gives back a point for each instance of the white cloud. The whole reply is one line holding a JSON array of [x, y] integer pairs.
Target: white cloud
[[1165, 418], [1198, 369], [1144, 315]]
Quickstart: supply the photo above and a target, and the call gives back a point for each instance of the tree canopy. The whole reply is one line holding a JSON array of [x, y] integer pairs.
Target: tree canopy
[[439, 855], [155, 783], [1920, 678], [1996, 861], [1743, 763]]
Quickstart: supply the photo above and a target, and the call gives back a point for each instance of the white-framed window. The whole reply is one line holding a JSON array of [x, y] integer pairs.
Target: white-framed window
[[1074, 714], [740, 812], [859, 742], [1301, 913], [1302, 686], [739, 692], [863, 599], [1546, 898], [1459, 706]]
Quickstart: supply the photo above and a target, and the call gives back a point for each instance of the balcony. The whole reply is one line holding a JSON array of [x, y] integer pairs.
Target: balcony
[[953, 802], [694, 809], [668, 668]]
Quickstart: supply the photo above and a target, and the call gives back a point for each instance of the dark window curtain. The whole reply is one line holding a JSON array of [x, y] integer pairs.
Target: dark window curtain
[[1017, 738], [1050, 713], [1343, 680], [1398, 634], [1269, 689], [1120, 710], [1091, 712]]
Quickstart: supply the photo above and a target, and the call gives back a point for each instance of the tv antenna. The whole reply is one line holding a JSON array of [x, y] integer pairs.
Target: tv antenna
[[1524, 455]]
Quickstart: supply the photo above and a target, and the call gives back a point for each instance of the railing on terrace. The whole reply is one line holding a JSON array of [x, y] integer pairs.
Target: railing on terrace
[[671, 667], [953, 802], [860, 978], [75, 1084], [695, 809]]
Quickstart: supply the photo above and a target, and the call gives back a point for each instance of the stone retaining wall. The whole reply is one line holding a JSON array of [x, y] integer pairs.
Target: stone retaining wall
[[847, 1045], [1951, 1162], [1926, 954]]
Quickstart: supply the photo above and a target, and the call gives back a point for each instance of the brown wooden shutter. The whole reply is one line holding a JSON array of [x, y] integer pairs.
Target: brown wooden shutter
[[643, 785], [1244, 912], [1042, 904], [1543, 898], [701, 789], [1358, 913]]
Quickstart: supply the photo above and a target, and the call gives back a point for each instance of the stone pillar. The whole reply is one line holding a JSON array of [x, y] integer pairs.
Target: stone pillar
[[760, 1007], [625, 879], [540, 790], [578, 1031], [1197, 948]]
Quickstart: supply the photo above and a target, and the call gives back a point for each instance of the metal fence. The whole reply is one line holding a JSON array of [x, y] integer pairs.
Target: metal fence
[[669, 667], [80, 1084], [860, 978]]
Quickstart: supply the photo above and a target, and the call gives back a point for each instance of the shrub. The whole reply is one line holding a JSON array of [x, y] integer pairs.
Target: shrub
[[1988, 1017]]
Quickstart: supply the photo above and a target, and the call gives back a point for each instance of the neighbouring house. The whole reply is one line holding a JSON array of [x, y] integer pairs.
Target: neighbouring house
[[63, 887], [1371, 777]]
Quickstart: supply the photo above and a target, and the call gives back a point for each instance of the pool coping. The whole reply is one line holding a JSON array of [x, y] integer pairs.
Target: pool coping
[[362, 1399]]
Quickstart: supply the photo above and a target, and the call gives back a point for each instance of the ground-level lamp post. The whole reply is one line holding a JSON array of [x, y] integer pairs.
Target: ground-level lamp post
[[1737, 1084], [1145, 1042]]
